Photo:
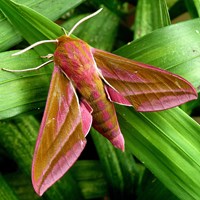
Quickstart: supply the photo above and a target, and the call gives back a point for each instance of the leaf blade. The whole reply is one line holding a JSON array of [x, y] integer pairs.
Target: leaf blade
[[11, 36]]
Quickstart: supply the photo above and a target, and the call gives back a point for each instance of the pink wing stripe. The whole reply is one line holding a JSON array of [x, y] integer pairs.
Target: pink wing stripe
[[116, 97], [86, 111], [62, 166]]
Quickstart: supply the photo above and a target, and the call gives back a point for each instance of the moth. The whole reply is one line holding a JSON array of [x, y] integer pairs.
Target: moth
[[85, 84]]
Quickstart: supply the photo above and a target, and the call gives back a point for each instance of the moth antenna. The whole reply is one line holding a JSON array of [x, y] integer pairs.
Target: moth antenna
[[29, 69], [84, 19], [64, 31], [34, 45]]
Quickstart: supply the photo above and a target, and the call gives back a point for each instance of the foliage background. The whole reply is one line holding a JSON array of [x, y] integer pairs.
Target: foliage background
[[162, 149]]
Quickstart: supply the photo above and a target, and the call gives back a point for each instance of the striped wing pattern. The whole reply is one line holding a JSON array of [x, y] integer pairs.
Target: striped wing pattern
[[147, 88], [61, 137]]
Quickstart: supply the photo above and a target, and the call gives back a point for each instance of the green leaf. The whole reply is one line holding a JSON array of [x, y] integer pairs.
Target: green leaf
[[22, 189], [37, 26], [167, 143], [5, 191], [90, 178], [152, 188], [11, 36], [150, 16], [197, 5], [15, 88], [117, 167]]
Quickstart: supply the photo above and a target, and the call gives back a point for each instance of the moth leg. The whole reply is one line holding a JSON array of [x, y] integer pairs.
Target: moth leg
[[48, 56]]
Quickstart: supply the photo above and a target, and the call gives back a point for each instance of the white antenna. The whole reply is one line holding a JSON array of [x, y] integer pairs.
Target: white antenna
[[33, 45], [27, 70], [84, 19]]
